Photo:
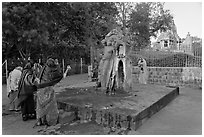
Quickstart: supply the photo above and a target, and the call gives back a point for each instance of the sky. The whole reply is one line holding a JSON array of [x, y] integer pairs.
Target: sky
[[187, 17]]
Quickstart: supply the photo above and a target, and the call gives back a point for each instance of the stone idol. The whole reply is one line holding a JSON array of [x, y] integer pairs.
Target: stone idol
[[115, 67]]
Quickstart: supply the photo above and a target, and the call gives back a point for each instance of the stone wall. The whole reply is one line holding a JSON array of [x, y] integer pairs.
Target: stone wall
[[173, 76]]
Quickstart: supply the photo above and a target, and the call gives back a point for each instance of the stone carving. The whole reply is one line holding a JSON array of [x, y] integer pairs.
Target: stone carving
[[143, 75], [115, 67]]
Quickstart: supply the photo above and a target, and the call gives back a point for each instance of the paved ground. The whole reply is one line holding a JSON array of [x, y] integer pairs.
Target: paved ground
[[182, 116]]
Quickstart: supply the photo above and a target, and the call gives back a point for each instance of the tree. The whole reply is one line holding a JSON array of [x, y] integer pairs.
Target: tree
[[24, 26], [124, 11], [161, 19], [139, 24], [37, 28], [98, 20], [146, 20]]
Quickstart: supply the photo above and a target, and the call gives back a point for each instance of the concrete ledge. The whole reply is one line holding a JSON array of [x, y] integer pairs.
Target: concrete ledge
[[66, 117], [124, 110], [149, 111]]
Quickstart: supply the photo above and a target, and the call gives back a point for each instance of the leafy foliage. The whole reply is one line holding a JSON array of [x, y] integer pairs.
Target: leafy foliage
[[37, 27], [24, 25], [125, 9], [146, 20]]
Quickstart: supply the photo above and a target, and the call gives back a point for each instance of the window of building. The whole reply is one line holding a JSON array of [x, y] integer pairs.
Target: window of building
[[170, 42], [165, 43]]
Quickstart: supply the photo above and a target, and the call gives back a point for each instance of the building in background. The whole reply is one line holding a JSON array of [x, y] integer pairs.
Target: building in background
[[170, 41]]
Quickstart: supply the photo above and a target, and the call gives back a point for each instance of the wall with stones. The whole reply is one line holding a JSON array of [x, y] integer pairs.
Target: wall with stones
[[173, 76]]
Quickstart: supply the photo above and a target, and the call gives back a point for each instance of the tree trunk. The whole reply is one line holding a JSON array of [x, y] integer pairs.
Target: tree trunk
[[90, 43], [123, 15]]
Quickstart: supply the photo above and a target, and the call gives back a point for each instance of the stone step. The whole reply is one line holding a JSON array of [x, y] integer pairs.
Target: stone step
[[121, 111]]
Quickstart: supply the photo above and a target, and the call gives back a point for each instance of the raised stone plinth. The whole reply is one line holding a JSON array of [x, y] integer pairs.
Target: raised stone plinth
[[123, 110]]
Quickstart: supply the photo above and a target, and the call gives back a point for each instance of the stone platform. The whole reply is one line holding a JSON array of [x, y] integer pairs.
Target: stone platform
[[123, 110]]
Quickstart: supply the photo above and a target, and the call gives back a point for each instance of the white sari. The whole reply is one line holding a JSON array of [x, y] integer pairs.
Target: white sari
[[12, 87]]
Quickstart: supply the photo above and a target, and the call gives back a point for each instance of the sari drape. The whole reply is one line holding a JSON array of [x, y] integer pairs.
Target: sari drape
[[47, 105]]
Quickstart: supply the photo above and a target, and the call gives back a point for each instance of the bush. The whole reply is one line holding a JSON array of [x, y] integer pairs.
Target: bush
[[168, 59]]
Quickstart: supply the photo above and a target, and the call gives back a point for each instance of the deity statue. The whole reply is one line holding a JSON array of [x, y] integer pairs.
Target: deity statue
[[143, 75], [115, 67]]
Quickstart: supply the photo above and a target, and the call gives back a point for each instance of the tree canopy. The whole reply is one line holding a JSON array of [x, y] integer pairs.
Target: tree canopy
[[39, 28], [43, 25], [146, 20]]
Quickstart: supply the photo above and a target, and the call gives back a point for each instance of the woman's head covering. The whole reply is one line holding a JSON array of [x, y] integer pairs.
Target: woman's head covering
[[19, 68], [50, 62], [56, 61]]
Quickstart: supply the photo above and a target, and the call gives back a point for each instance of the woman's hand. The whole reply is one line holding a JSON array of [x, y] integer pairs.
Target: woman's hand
[[68, 67]]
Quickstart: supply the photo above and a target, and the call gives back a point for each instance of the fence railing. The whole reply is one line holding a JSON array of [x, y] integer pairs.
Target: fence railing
[[76, 67], [167, 59], [4, 71]]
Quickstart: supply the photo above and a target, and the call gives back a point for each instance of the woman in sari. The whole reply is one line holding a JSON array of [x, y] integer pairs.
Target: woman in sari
[[26, 89], [12, 87], [47, 111]]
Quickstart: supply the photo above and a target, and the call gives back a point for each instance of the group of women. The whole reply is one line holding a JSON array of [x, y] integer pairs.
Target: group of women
[[33, 92]]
